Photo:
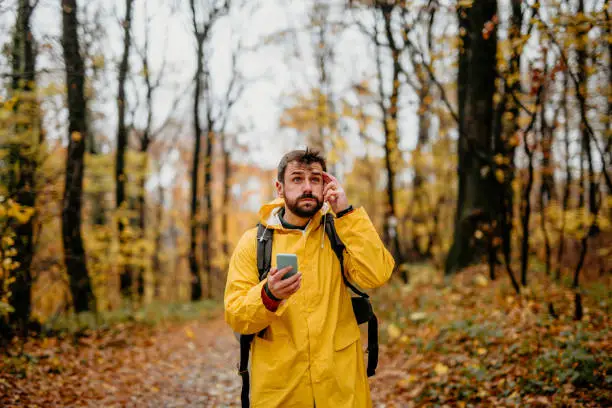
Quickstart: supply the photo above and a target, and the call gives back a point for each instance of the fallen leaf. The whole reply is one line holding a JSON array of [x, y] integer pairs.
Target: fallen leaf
[[481, 281], [189, 332], [441, 369], [417, 316], [393, 331]]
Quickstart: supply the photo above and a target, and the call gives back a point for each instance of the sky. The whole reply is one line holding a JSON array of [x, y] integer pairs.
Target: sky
[[274, 71]]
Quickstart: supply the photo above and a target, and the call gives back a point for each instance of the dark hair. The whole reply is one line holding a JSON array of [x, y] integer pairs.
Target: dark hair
[[307, 156]]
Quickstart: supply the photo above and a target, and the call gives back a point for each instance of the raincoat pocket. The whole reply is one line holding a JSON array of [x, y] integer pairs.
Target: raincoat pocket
[[276, 356], [346, 334]]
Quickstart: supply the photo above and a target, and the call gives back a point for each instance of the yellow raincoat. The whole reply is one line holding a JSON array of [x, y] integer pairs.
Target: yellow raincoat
[[311, 350]]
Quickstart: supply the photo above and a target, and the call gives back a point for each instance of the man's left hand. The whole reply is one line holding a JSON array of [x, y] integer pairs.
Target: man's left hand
[[334, 194]]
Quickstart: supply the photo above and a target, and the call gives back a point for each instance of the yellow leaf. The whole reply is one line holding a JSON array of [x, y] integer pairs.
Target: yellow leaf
[[76, 136], [393, 331], [499, 175], [441, 369], [189, 333], [478, 234], [482, 351], [404, 383], [481, 280]]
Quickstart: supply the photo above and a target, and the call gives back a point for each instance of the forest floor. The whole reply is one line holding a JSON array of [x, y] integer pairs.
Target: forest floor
[[459, 343]]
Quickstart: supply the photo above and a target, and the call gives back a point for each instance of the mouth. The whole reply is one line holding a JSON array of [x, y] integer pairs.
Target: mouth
[[311, 200]]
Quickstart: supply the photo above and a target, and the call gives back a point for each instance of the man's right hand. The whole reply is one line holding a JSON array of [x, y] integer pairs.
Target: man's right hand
[[283, 288]]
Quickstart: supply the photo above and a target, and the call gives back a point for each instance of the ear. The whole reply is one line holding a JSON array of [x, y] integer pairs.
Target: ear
[[279, 188]]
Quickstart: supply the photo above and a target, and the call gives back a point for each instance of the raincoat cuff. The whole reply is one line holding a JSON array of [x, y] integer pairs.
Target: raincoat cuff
[[344, 222], [269, 303]]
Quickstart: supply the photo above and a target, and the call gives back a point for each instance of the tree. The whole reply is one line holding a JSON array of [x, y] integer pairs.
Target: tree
[[202, 27], [23, 148], [74, 253], [477, 181], [122, 142], [147, 137], [389, 107]]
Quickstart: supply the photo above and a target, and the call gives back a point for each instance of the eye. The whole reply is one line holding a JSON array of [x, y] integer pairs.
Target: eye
[[296, 179], [316, 180]]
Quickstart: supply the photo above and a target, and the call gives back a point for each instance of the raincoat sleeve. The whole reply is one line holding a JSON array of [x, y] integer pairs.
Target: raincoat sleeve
[[244, 308], [367, 262]]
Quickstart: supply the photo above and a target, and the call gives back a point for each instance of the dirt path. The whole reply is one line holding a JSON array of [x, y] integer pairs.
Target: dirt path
[[195, 369], [183, 365]]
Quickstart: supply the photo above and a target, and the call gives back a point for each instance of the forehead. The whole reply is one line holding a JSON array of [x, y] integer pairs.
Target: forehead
[[297, 167]]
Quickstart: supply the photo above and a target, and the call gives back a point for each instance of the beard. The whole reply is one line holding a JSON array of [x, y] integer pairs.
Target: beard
[[304, 209]]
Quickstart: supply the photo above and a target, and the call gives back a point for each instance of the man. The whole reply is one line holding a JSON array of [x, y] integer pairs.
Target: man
[[311, 351]]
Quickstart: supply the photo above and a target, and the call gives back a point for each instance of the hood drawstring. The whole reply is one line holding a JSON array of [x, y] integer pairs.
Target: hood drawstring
[[323, 233], [263, 234]]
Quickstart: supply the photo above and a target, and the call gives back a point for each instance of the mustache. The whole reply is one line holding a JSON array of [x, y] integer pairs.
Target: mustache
[[308, 195]]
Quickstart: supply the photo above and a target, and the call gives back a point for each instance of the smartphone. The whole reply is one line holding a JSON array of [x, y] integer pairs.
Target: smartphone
[[284, 260]]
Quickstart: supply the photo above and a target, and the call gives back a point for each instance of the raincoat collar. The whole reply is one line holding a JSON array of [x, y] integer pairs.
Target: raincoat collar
[[269, 214]]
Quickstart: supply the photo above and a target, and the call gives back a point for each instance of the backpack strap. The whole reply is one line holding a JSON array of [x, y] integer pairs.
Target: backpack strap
[[243, 370], [264, 250], [264, 262], [338, 247]]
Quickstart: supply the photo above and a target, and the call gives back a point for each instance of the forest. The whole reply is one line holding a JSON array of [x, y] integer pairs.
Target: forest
[[139, 138]]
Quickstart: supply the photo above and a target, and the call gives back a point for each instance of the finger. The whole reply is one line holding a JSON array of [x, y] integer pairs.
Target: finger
[[329, 187], [272, 274], [294, 288], [281, 272], [331, 196], [283, 284], [328, 177]]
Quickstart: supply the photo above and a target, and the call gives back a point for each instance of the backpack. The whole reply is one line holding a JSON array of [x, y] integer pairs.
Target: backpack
[[362, 308]]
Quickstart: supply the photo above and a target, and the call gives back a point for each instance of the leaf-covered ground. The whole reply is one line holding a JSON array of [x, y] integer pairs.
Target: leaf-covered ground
[[473, 342], [467, 342]]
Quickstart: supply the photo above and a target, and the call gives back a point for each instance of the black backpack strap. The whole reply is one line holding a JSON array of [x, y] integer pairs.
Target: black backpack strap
[[243, 370], [372, 345], [264, 250], [338, 247], [264, 262]]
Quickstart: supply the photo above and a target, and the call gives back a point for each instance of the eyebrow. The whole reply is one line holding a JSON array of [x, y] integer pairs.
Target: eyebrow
[[314, 173]]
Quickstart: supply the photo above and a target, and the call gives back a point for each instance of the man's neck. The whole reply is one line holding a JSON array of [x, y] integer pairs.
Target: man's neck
[[293, 219]]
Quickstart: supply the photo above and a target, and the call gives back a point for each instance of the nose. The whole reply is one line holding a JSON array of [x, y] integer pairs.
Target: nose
[[307, 187]]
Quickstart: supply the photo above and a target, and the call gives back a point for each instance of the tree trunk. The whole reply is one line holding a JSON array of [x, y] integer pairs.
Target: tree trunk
[[506, 129], [581, 92], [568, 176], [22, 172], [122, 142], [159, 216], [196, 282], [226, 200], [74, 253], [145, 142], [419, 195], [392, 154], [208, 218], [476, 87], [547, 186]]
